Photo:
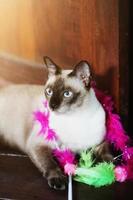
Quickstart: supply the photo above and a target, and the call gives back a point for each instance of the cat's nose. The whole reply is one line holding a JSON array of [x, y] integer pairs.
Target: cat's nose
[[53, 106]]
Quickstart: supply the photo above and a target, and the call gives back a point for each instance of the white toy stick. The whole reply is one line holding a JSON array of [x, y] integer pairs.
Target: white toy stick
[[70, 193]]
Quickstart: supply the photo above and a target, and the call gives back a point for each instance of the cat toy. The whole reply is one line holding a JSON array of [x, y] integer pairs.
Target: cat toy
[[86, 171]]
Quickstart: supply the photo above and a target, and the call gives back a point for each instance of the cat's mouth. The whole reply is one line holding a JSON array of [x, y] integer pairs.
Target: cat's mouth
[[60, 110]]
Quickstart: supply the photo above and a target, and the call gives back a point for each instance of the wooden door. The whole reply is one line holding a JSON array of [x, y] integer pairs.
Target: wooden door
[[67, 31]]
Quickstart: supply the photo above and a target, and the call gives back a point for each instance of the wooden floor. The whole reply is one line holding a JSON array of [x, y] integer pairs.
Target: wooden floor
[[20, 180]]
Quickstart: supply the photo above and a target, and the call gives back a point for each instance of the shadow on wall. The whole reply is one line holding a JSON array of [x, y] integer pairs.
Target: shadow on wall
[[105, 81]]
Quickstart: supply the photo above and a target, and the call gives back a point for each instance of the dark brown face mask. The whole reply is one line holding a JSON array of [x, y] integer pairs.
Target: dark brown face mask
[[57, 97], [58, 87]]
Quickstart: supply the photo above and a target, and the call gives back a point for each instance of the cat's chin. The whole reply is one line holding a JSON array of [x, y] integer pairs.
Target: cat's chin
[[61, 111]]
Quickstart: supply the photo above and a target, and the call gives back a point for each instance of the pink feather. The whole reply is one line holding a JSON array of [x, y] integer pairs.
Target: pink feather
[[115, 132], [128, 153], [129, 168], [121, 173], [51, 135], [64, 156], [42, 118]]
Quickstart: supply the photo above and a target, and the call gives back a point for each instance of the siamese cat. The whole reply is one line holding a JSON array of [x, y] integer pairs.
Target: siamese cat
[[75, 114]]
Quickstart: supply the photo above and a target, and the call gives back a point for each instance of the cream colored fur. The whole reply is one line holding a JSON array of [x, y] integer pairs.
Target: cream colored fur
[[77, 130]]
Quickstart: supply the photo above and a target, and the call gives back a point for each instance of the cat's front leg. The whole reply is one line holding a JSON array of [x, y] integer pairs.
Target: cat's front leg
[[41, 156], [102, 152]]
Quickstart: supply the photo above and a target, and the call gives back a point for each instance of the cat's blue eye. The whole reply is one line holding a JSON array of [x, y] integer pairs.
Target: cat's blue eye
[[49, 91], [67, 94]]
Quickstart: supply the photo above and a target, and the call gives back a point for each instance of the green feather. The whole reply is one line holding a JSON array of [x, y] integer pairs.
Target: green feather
[[86, 159], [98, 175]]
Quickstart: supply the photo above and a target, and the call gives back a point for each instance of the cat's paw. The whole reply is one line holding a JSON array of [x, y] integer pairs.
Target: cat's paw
[[107, 157], [56, 179], [57, 183]]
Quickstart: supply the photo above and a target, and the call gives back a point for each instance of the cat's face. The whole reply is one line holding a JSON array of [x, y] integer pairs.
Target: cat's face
[[66, 90]]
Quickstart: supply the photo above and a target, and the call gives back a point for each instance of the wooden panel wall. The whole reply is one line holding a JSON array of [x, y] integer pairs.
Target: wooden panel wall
[[67, 31]]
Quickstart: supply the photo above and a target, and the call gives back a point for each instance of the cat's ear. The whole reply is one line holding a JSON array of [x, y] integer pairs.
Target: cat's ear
[[82, 72], [52, 68]]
